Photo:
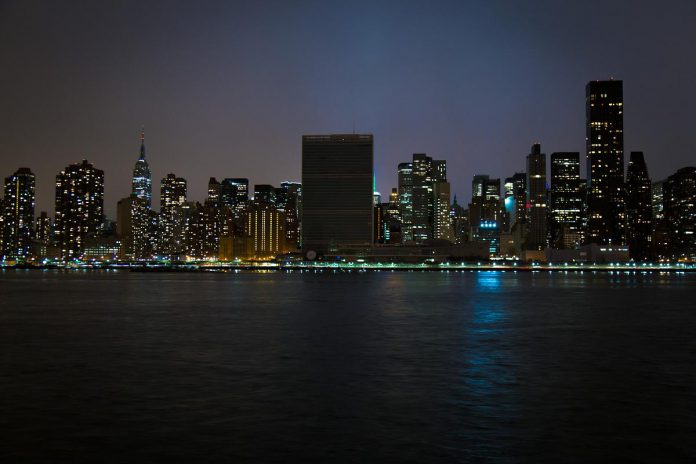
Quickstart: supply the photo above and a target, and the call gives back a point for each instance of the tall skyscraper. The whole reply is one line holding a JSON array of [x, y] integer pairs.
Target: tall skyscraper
[[536, 198], [18, 214], [172, 215], [142, 182], [679, 192], [79, 207], [566, 201], [638, 208], [516, 198], [405, 189], [425, 173], [605, 163], [133, 228], [235, 194], [337, 184], [442, 220], [291, 205]]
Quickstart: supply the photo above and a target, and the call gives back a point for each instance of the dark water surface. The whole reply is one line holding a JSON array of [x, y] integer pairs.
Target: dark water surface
[[362, 367]]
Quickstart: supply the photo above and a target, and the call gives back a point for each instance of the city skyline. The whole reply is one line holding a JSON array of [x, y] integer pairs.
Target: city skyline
[[460, 94]]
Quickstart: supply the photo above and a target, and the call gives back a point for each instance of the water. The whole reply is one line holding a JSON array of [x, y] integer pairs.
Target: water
[[335, 367]]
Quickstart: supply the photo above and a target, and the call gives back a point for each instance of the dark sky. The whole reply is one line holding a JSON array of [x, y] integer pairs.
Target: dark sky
[[226, 89]]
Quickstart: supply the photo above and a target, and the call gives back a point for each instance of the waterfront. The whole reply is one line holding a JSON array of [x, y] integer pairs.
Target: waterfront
[[112, 366]]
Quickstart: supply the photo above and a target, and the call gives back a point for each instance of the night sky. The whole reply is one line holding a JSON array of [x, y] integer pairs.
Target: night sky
[[226, 89]]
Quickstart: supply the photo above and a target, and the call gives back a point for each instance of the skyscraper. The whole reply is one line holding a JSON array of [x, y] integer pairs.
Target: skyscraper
[[133, 228], [679, 192], [405, 189], [337, 184], [18, 214], [605, 163], [79, 207], [516, 198], [172, 215], [536, 198], [142, 182], [566, 202], [291, 205], [638, 207], [425, 173], [235, 194]]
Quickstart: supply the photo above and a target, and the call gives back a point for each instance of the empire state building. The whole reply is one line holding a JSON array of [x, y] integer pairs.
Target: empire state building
[[142, 183]]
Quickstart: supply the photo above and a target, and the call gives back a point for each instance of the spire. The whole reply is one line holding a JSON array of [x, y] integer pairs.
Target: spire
[[142, 143]]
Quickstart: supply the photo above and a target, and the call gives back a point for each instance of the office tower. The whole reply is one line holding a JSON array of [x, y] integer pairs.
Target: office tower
[[416, 183], [378, 223], [442, 220], [656, 200], [142, 182], [18, 214], [337, 184], [566, 201], [235, 194], [485, 212], [265, 193], [43, 228], [172, 215], [516, 198], [405, 189], [289, 202], [679, 192], [536, 198], [460, 222], [133, 228], [638, 208], [605, 163], [214, 191], [79, 207], [392, 218]]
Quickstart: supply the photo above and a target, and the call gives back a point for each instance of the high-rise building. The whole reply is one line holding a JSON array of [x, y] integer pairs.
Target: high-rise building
[[679, 194], [460, 222], [405, 176], [391, 218], [172, 215], [606, 214], [265, 193], [566, 201], [290, 204], [536, 198], [142, 182], [337, 184], [79, 207], [203, 231], [235, 194], [425, 173], [133, 228], [442, 220], [638, 208], [18, 214], [43, 228], [485, 212], [656, 201], [516, 198], [266, 229]]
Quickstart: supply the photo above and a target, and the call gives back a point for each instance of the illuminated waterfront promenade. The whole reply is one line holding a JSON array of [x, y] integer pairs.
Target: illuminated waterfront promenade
[[349, 266]]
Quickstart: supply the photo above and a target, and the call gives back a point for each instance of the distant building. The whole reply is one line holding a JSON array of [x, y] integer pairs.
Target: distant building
[[486, 215], [679, 192], [442, 220], [133, 228], [566, 201], [203, 231], [425, 173], [639, 224], [391, 214], [18, 215], [173, 194], [337, 187], [266, 230], [43, 228], [79, 207], [142, 181], [515, 201], [536, 198], [290, 204], [405, 189], [605, 163]]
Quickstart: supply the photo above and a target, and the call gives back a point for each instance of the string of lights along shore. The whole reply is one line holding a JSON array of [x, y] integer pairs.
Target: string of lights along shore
[[548, 213]]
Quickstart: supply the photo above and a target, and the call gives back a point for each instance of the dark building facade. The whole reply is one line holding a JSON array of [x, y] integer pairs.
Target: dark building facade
[[172, 220], [566, 201], [337, 189], [639, 224], [405, 189], [536, 198], [606, 214], [679, 197]]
